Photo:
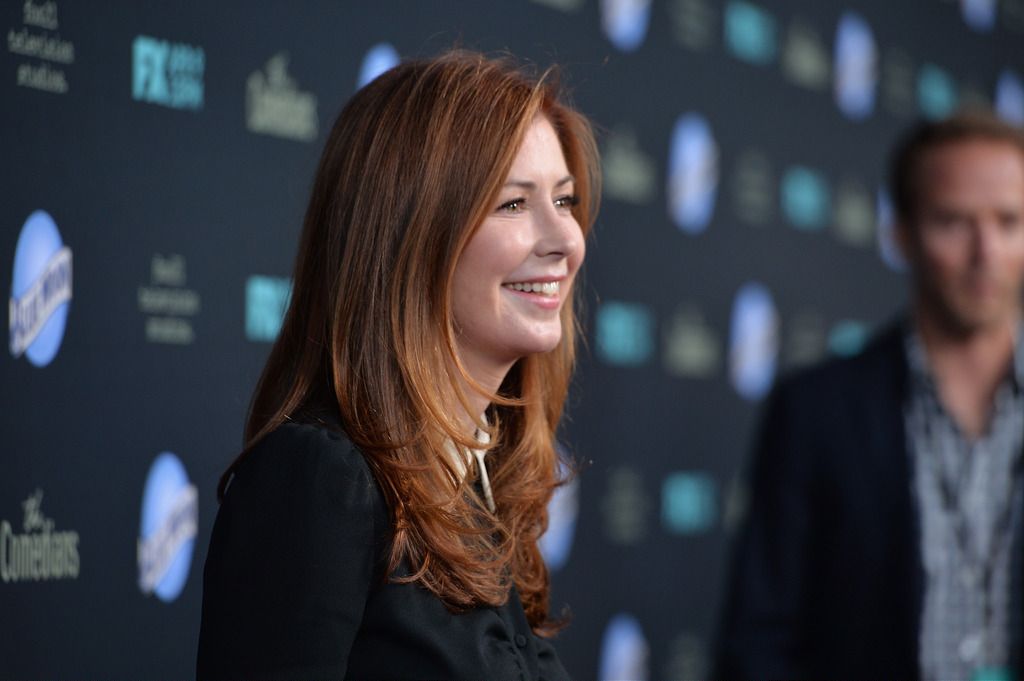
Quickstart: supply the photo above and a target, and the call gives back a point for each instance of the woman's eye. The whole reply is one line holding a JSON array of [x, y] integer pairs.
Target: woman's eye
[[513, 206], [568, 201]]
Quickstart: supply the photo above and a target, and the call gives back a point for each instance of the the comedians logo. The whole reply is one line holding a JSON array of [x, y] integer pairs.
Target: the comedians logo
[[753, 187], [687, 657], [694, 23], [692, 347], [626, 506], [629, 173], [854, 215], [805, 339], [170, 518], [40, 290], [804, 56], [40, 553], [275, 106]]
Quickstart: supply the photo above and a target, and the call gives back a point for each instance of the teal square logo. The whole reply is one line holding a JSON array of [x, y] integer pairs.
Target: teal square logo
[[168, 74], [149, 70], [806, 200], [266, 300], [750, 33], [848, 337], [992, 674], [689, 502], [936, 92], [625, 333]]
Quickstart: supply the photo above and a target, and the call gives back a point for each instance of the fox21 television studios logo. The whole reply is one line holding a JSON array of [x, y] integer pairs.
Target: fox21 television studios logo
[[40, 291]]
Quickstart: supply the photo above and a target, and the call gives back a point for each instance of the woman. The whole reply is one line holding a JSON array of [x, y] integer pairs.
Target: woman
[[383, 519]]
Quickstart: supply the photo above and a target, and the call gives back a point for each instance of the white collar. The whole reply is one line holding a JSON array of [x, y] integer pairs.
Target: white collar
[[460, 461]]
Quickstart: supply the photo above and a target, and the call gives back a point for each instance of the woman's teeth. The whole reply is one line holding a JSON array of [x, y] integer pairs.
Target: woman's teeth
[[548, 288]]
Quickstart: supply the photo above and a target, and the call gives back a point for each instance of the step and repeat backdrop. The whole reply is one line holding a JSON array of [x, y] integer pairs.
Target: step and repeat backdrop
[[156, 164]]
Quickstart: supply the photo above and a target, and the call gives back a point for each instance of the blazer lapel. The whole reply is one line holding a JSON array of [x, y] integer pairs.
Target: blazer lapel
[[886, 382]]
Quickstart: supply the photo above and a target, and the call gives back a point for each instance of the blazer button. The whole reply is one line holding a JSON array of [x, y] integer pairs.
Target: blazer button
[[520, 640]]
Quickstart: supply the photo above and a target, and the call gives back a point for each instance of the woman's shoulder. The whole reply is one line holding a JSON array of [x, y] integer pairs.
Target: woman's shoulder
[[299, 540], [313, 461], [296, 447]]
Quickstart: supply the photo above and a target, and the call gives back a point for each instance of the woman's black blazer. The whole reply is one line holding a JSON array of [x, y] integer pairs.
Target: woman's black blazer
[[293, 585]]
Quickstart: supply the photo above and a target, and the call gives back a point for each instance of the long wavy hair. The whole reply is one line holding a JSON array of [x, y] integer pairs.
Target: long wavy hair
[[412, 166]]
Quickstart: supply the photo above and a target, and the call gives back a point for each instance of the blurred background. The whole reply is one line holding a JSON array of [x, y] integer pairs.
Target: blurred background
[[159, 158]]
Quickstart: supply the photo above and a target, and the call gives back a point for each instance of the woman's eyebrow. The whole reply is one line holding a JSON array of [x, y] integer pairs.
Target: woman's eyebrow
[[526, 184]]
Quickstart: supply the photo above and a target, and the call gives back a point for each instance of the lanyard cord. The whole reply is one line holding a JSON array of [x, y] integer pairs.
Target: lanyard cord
[[950, 495]]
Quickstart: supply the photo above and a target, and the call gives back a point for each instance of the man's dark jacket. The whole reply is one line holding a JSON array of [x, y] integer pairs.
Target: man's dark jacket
[[827, 578]]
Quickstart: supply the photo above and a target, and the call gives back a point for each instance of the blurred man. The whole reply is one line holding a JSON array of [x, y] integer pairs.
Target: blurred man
[[884, 534]]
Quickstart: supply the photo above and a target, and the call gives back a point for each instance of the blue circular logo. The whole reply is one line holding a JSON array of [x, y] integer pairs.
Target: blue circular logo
[[1009, 100], [378, 59], [40, 290], [563, 509], [167, 532], [885, 221], [754, 341], [856, 67], [625, 22], [624, 650], [979, 14], [692, 173]]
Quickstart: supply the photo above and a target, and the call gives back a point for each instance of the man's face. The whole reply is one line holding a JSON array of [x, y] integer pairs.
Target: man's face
[[966, 241]]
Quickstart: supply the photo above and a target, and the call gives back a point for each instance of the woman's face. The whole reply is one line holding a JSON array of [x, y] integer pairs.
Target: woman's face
[[516, 272]]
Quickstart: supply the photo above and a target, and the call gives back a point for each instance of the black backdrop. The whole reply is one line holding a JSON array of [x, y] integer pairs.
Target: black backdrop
[[172, 145]]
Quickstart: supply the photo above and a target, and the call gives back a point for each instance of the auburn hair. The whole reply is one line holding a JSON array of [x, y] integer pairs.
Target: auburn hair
[[412, 166]]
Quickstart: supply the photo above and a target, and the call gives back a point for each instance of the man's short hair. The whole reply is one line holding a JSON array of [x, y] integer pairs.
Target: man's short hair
[[905, 163]]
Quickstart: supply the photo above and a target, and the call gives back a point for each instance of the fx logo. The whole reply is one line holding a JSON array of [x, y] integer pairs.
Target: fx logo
[[168, 74]]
